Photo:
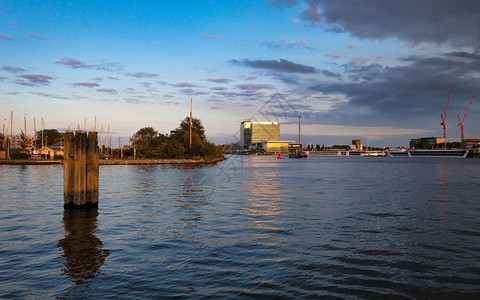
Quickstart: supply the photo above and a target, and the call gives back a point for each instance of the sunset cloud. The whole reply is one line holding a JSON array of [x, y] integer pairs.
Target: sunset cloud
[[78, 64], [34, 79], [219, 80], [141, 75], [207, 36], [5, 38], [12, 69], [85, 84]]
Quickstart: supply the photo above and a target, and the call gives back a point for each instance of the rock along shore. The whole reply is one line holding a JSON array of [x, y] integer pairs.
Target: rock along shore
[[115, 161]]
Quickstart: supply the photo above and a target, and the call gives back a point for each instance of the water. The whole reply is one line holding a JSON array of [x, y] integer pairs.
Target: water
[[248, 227]]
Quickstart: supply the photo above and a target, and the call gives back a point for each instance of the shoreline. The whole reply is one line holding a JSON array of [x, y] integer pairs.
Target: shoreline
[[114, 162]]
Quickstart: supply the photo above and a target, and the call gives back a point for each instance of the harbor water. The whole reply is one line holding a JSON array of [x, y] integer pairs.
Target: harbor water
[[247, 227]]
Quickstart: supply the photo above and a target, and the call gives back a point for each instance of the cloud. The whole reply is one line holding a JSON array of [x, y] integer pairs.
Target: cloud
[[37, 36], [219, 80], [405, 94], [207, 36], [281, 3], [34, 79], [78, 64], [286, 43], [142, 75], [85, 84], [192, 92], [183, 85], [281, 65], [113, 78], [254, 86], [49, 95], [108, 91], [218, 88], [330, 74], [5, 38], [454, 22], [12, 69], [3, 78], [333, 55]]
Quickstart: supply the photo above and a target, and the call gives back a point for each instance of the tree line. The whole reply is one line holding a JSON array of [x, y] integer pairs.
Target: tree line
[[149, 143]]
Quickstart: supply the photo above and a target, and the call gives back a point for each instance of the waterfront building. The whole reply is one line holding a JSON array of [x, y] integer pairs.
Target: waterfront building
[[252, 132], [428, 143], [274, 147], [357, 145]]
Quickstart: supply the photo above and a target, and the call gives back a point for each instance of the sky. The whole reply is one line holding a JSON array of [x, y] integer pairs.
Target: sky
[[376, 70]]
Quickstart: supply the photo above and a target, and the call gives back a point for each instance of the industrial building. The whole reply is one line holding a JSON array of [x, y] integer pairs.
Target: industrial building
[[252, 132]]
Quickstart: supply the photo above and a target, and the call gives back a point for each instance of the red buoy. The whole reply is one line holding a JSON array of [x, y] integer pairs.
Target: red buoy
[[279, 156]]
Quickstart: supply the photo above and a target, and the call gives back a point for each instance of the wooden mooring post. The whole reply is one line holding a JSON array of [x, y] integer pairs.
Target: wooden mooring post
[[80, 169]]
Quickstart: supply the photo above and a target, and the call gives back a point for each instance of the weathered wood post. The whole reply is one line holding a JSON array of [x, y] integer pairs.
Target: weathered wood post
[[92, 169], [80, 169], [80, 192], [68, 167]]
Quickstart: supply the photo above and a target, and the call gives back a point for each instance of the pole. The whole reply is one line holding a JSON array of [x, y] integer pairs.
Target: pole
[[35, 133], [191, 124], [43, 128], [299, 135]]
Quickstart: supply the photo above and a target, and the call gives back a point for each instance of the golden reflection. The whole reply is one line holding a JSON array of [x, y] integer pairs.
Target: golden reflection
[[82, 250]]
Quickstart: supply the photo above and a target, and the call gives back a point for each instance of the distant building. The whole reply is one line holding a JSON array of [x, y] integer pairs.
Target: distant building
[[252, 132], [357, 145], [428, 143], [274, 147], [51, 151]]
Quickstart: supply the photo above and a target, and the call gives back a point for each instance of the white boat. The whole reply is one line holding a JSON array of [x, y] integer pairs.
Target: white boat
[[455, 153]]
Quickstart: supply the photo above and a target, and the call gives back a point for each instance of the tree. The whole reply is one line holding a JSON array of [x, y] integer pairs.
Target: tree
[[147, 139], [50, 137], [26, 143], [184, 128], [2, 140]]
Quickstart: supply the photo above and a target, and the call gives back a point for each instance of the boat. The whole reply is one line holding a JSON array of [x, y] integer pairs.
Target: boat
[[452, 153], [298, 153]]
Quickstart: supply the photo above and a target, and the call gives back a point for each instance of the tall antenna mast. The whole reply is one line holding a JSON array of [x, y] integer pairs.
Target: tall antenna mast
[[191, 123], [299, 135], [444, 119], [35, 132]]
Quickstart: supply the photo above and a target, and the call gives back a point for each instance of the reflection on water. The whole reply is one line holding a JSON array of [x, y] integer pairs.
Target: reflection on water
[[82, 250]]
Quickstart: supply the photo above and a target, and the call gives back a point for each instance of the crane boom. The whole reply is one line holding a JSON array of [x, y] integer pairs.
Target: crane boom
[[444, 117], [460, 122]]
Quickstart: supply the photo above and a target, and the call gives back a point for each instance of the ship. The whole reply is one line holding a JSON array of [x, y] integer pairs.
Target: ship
[[298, 153], [452, 153]]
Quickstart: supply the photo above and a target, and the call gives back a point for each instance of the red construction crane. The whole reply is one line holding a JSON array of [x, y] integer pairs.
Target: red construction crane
[[444, 117], [460, 122]]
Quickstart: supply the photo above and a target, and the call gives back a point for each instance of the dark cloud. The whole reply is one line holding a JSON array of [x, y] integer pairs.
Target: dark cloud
[[34, 79], [254, 86], [404, 95], [437, 21], [78, 64], [5, 38], [219, 80], [330, 74], [142, 75], [86, 84], [12, 69], [281, 65]]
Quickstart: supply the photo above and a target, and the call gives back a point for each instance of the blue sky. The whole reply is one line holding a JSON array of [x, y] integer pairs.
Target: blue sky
[[376, 70]]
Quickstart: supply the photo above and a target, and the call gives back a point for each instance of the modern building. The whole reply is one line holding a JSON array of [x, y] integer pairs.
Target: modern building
[[428, 143], [252, 132]]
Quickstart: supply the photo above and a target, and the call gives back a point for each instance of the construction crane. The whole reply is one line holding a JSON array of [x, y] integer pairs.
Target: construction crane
[[444, 117], [460, 122]]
